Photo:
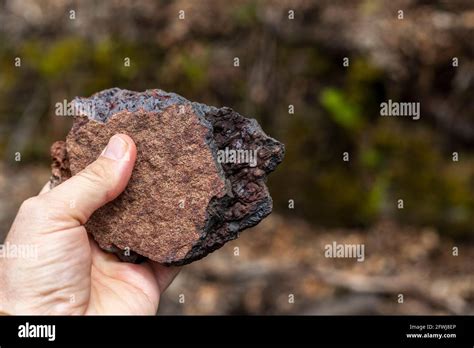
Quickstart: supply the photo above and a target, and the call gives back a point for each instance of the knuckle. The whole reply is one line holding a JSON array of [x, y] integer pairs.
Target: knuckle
[[33, 208], [99, 170], [29, 205], [98, 176]]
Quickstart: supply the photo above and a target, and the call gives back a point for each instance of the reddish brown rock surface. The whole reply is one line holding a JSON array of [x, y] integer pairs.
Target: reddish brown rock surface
[[181, 202]]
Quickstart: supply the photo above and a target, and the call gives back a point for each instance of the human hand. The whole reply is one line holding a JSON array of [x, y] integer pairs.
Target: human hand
[[71, 274]]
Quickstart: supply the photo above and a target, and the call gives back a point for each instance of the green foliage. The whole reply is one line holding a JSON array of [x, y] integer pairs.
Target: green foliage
[[342, 112], [342, 199], [376, 198], [56, 58], [370, 158], [246, 13], [435, 190], [194, 70], [363, 81]]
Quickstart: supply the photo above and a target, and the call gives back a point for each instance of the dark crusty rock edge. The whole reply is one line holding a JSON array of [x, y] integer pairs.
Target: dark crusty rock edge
[[248, 200]]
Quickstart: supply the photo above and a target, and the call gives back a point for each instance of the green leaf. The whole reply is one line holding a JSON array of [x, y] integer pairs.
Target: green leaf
[[342, 112]]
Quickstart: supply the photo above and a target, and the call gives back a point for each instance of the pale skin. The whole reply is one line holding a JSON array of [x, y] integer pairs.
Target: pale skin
[[71, 274]]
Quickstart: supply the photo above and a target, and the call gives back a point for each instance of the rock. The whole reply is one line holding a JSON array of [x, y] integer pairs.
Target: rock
[[199, 177]]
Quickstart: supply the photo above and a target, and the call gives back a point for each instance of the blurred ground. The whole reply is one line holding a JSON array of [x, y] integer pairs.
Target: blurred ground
[[284, 256]]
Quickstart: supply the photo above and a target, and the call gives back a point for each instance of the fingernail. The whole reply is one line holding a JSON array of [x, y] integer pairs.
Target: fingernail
[[116, 148]]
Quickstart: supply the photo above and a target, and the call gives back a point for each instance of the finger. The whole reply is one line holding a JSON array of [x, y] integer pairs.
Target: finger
[[164, 275], [46, 188], [99, 183], [123, 275]]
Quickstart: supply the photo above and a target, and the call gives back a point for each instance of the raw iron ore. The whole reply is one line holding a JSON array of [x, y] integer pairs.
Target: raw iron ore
[[199, 177]]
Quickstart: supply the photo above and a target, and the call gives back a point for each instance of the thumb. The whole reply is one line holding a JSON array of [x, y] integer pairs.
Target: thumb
[[77, 198]]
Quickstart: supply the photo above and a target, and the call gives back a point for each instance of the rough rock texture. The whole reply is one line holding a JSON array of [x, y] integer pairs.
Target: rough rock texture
[[182, 201]]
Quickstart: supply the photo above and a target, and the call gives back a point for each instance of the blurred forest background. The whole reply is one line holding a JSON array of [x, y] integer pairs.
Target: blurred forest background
[[283, 62]]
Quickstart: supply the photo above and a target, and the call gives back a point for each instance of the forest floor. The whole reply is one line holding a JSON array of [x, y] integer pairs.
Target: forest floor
[[279, 267]]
